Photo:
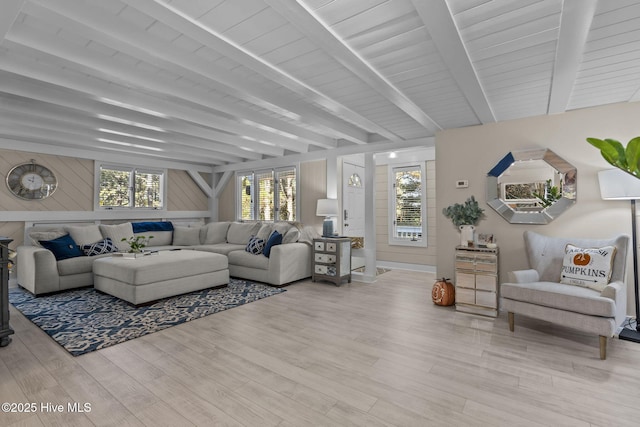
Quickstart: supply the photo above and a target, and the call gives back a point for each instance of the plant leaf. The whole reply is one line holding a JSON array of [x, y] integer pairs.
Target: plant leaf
[[608, 152], [621, 158], [633, 156]]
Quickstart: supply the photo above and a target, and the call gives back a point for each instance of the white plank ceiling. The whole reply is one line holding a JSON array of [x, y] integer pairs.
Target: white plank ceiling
[[215, 82]]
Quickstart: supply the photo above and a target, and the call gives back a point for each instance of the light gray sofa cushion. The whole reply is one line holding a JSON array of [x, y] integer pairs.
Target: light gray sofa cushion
[[247, 259], [85, 234], [292, 235], [116, 233], [220, 248], [564, 297], [160, 238], [240, 232], [214, 232], [265, 231], [77, 265], [45, 234], [186, 236]]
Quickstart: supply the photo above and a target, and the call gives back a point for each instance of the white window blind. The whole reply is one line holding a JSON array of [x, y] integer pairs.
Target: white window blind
[[267, 195], [266, 208], [245, 199], [286, 179], [408, 204]]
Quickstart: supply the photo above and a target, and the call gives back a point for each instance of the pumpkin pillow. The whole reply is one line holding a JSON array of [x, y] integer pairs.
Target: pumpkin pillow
[[587, 267]]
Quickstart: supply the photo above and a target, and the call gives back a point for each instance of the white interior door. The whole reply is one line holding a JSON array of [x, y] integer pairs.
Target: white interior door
[[352, 200]]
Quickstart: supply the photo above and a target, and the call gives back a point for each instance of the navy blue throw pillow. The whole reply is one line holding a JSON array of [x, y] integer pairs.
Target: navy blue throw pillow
[[274, 239], [63, 247]]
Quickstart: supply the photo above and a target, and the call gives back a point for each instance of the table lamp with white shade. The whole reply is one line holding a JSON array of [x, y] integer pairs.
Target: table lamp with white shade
[[328, 208], [618, 185]]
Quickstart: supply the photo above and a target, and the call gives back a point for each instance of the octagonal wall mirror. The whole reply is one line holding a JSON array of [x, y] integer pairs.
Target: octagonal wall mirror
[[531, 186]]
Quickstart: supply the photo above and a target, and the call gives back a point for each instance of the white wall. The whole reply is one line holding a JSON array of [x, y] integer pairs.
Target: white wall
[[469, 153]]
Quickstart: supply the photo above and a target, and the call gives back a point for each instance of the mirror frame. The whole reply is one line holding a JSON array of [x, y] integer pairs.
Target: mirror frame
[[548, 214]]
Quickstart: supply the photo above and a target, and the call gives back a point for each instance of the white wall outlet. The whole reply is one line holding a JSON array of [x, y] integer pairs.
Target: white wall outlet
[[462, 183]]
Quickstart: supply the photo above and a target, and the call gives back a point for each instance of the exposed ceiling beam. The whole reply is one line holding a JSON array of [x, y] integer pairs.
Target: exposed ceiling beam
[[127, 76], [97, 89], [181, 21], [10, 11], [112, 156], [439, 22], [312, 27], [127, 38], [62, 118], [95, 112], [575, 23], [31, 132], [372, 147]]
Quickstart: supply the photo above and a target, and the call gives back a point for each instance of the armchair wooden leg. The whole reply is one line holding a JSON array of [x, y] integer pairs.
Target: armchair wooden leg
[[511, 321], [603, 347]]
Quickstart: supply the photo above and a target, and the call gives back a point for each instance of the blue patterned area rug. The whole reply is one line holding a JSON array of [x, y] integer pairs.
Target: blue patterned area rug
[[84, 320]]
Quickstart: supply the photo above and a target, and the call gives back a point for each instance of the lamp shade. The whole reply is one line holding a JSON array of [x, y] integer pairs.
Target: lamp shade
[[618, 185], [327, 207]]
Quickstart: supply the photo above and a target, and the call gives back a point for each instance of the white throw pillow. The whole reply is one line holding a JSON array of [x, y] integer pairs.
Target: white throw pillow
[[116, 233], [186, 236], [587, 267], [85, 234]]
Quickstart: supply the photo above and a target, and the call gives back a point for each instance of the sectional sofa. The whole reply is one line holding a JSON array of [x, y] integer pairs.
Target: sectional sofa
[[41, 272]]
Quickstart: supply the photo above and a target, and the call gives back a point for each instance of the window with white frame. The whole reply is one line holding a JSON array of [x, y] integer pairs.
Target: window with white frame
[[130, 187], [407, 205], [267, 195]]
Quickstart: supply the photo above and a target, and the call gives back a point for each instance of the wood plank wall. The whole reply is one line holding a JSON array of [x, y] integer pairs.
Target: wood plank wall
[[313, 186], [75, 190]]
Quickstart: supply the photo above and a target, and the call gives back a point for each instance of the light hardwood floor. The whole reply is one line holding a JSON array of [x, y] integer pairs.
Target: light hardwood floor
[[318, 355]]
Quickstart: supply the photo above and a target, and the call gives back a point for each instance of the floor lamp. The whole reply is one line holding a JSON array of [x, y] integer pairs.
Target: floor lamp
[[618, 185]]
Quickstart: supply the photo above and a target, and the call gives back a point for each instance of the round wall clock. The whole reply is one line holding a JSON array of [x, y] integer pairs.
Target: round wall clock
[[31, 181]]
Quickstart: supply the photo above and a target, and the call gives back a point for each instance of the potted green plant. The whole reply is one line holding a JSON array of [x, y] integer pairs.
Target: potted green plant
[[137, 243], [465, 216], [626, 159]]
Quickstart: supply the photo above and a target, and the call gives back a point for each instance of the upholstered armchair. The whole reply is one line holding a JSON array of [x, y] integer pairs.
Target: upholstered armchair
[[538, 293]]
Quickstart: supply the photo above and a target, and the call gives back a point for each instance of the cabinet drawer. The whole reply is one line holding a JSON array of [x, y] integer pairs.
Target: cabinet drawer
[[326, 258], [320, 269], [487, 299], [486, 282], [331, 247], [464, 264], [489, 267], [319, 246], [465, 280], [465, 296]]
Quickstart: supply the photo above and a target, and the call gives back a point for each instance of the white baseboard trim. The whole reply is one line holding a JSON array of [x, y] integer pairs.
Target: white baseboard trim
[[406, 266]]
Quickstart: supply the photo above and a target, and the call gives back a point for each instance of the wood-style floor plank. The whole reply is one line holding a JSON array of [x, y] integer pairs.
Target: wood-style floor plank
[[379, 354]]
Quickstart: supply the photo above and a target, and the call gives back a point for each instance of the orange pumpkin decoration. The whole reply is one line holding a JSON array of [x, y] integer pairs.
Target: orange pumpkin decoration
[[582, 259], [443, 292]]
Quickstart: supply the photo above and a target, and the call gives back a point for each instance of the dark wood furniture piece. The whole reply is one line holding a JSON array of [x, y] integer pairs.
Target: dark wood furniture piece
[[5, 329], [332, 259]]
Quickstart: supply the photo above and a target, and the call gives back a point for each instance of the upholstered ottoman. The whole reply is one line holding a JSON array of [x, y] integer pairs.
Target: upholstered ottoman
[[160, 275]]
